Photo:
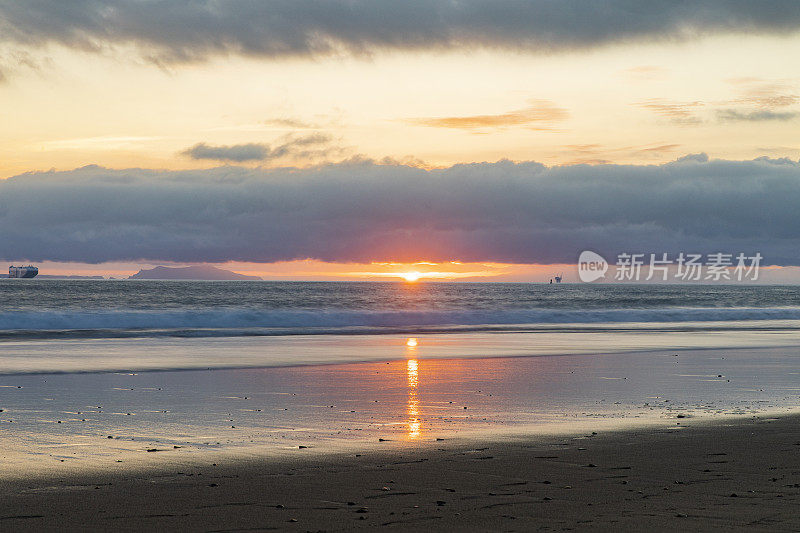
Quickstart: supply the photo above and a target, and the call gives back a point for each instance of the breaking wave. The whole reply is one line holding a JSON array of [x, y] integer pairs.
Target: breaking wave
[[243, 322]]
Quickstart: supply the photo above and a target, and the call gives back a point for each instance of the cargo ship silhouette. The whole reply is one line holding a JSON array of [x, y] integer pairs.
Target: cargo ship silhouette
[[29, 271]]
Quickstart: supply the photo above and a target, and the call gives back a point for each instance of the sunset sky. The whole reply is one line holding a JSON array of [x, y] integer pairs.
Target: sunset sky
[[328, 140]]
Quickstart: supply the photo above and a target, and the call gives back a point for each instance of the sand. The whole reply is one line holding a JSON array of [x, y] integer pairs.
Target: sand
[[692, 439], [713, 475]]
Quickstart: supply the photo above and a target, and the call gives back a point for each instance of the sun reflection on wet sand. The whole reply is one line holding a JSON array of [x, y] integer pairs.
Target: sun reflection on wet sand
[[412, 377], [281, 409]]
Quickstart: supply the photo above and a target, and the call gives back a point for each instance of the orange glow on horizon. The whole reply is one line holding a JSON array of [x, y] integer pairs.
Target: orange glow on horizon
[[314, 270]]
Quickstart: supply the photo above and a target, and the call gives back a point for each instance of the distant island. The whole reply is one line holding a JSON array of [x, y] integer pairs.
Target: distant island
[[197, 272]]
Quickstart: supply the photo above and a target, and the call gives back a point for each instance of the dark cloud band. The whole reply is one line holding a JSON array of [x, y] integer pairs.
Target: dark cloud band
[[184, 30], [505, 212]]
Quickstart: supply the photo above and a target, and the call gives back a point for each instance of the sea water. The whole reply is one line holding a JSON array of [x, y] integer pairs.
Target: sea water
[[84, 326], [247, 365]]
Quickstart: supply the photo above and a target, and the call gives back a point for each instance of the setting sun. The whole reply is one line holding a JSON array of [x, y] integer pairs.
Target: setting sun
[[411, 277]]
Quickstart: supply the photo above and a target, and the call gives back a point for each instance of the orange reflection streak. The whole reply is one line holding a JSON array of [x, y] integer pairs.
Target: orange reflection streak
[[412, 409], [412, 371]]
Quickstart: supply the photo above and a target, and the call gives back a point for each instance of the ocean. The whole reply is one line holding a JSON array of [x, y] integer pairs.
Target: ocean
[[270, 365], [54, 308], [82, 325]]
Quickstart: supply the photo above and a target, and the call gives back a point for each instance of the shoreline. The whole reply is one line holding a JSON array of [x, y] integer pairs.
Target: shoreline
[[635, 441], [42, 356], [74, 421], [715, 474]]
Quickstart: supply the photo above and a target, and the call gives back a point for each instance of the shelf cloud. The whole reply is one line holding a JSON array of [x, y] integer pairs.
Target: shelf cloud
[[190, 30], [362, 211]]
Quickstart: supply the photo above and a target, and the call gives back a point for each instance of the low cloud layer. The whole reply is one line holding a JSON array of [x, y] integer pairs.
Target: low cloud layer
[[187, 30], [361, 211]]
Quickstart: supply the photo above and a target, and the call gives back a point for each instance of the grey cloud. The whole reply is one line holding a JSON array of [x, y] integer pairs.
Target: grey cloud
[[238, 152], [734, 115], [291, 145], [186, 30], [702, 157], [307, 140], [760, 101], [18, 60], [775, 160], [362, 211]]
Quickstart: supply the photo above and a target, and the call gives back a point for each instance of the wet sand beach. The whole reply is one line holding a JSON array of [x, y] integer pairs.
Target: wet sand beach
[[733, 475], [699, 439]]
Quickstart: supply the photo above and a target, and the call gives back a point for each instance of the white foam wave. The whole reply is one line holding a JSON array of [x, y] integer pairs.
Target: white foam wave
[[331, 321]]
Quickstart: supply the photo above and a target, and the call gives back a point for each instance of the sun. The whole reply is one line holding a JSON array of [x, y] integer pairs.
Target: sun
[[410, 277], [411, 342]]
